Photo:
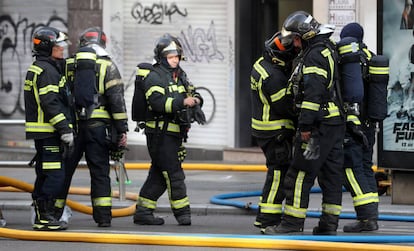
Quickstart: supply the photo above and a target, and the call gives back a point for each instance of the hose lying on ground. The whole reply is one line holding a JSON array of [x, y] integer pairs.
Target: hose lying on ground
[[118, 212], [223, 199], [288, 242]]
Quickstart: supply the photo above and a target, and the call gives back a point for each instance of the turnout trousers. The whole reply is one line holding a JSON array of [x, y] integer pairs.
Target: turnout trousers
[[369, 129], [278, 155], [165, 173], [300, 178], [360, 180], [93, 140], [50, 169]]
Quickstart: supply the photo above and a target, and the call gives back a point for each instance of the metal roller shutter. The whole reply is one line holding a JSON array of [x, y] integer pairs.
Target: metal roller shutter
[[206, 30]]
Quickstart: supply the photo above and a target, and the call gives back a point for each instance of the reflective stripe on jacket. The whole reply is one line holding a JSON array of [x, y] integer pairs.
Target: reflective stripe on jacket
[[47, 100]]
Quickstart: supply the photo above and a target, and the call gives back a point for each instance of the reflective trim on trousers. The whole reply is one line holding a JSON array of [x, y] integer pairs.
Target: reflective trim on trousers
[[144, 202], [102, 202]]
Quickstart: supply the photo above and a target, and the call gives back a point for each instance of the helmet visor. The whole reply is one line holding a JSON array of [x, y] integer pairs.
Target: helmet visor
[[63, 44], [279, 42], [62, 40], [171, 49], [283, 43]]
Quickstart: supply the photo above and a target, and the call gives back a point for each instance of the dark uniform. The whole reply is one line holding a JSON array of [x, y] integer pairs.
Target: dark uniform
[[358, 147], [273, 124], [49, 123], [166, 89], [95, 130], [322, 154]]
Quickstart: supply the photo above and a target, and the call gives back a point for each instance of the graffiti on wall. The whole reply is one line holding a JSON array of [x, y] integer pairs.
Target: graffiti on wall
[[15, 57], [199, 44], [156, 13]]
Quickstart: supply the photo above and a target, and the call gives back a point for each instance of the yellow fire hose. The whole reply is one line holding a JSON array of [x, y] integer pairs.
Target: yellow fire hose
[[208, 167], [169, 239], [7, 181], [193, 241], [23, 186]]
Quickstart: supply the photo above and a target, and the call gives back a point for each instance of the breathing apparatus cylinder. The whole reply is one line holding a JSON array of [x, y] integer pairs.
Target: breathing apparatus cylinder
[[377, 87], [350, 70]]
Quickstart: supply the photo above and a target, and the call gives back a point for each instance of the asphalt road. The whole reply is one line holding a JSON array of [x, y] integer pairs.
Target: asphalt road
[[216, 221]]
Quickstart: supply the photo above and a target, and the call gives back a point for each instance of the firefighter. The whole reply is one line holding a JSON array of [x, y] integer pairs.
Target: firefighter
[[320, 123], [48, 122], [359, 142], [101, 128], [170, 98], [273, 123]]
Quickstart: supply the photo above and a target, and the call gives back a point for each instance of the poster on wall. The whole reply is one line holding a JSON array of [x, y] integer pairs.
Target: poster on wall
[[398, 46]]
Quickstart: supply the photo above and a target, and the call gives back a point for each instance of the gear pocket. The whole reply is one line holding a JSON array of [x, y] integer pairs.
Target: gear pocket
[[283, 152]]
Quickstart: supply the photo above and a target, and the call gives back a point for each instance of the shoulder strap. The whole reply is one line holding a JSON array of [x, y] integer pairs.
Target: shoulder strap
[[337, 93], [364, 58]]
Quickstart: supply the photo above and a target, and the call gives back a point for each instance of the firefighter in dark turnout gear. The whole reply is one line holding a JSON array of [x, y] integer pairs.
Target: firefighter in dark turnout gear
[[48, 122], [358, 147], [101, 128], [273, 123], [169, 95], [320, 123]]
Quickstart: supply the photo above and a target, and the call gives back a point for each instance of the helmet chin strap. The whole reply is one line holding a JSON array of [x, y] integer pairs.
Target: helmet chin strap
[[165, 63]]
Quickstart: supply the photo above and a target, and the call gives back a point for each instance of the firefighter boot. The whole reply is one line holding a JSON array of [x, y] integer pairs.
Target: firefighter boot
[[328, 224], [367, 216], [289, 224], [102, 215], [44, 217], [183, 216], [264, 220], [361, 226], [58, 212], [62, 212], [145, 216]]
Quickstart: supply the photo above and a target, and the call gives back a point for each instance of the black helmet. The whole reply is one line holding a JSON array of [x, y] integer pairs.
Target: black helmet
[[45, 38], [280, 49], [302, 24], [93, 35], [167, 44]]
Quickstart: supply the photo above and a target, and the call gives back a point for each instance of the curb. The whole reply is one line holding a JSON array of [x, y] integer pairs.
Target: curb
[[197, 209]]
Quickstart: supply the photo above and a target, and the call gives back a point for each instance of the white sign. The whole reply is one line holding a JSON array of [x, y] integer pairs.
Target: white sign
[[341, 17], [341, 4]]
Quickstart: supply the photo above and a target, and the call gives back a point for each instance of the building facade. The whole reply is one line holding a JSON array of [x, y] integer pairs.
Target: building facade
[[221, 40]]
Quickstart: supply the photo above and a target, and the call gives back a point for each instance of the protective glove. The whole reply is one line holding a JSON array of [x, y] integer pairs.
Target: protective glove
[[118, 149], [117, 155], [182, 153], [312, 150], [68, 144], [357, 133], [199, 115], [185, 116], [67, 138]]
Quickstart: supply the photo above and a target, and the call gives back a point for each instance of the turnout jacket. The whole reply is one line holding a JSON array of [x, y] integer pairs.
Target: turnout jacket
[[110, 88], [47, 100], [165, 91], [272, 101], [320, 103]]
